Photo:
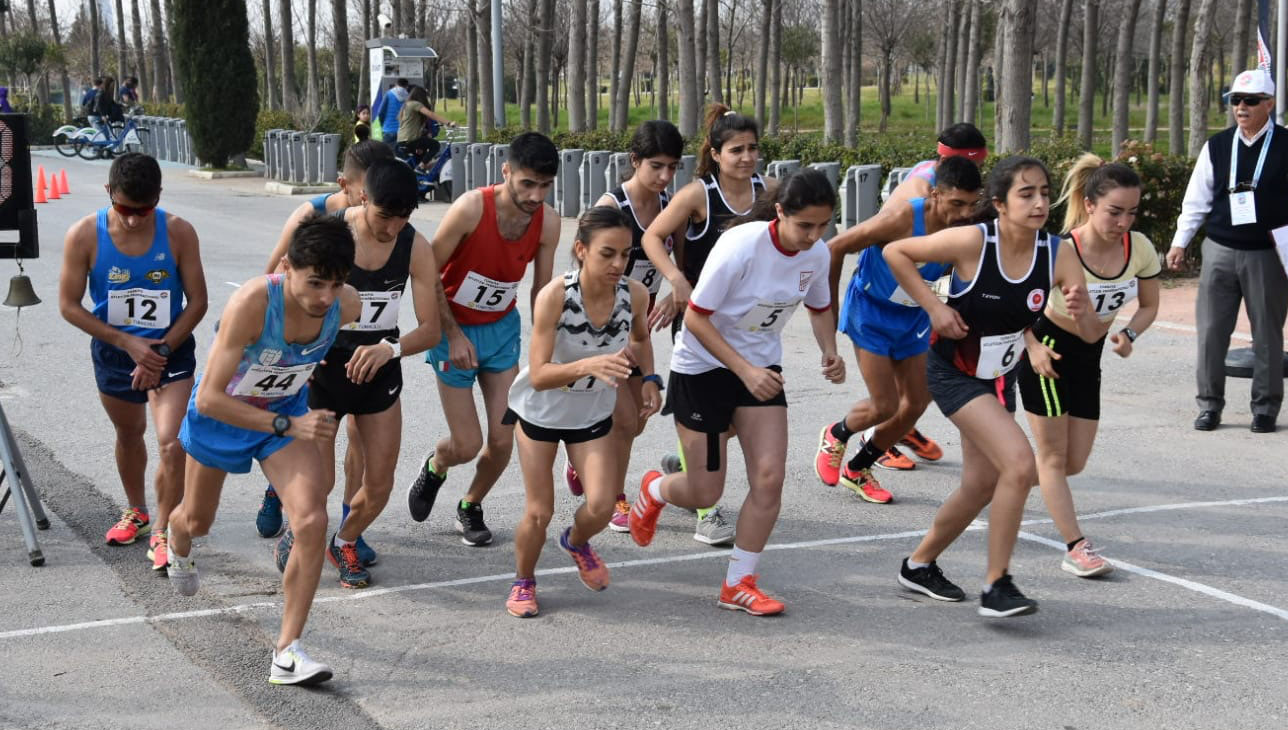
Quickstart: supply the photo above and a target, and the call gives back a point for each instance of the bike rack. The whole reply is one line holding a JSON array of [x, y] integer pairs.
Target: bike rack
[[312, 158], [591, 176], [897, 175], [782, 169], [860, 194], [497, 156], [297, 158], [476, 165], [619, 170], [328, 165]]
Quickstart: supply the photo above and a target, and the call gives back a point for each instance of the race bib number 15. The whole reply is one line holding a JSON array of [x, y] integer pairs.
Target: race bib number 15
[[484, 294]]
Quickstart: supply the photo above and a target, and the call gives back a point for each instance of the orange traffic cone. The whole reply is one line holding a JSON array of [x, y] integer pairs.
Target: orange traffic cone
[[62, 183], [40, 185], [53, 187]]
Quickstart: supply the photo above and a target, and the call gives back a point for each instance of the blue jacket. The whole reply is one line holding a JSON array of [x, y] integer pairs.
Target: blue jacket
[[387, 108]]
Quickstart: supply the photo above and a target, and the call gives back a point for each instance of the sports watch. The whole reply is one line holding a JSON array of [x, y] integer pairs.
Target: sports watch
[[655, 379], [162, 349], [1130, 334], [281, 424], [395, 344]]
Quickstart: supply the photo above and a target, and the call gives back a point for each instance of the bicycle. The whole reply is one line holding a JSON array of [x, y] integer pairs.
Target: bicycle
[[93, 144]]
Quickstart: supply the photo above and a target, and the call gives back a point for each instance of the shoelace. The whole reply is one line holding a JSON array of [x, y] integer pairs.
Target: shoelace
[[622, 507], [523, 592], [128, 517], [350, 555], [475, 517], [835, 452], [585, 557], [715, 516], [895, 452]]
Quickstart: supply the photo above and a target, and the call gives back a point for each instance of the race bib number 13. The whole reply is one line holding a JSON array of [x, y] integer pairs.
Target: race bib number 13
[[484, 294]]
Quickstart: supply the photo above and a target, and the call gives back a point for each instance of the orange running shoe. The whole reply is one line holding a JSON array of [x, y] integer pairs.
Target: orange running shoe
[[132, 525], [644, 513], [865, 485], [894, 460], [594, 574], [747, 597], [827, 462], [620, 521], [923, 447], [159, 550], [522, 602]]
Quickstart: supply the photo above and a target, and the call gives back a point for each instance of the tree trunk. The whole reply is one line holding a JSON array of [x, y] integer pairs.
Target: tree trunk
[[1087, 90], [592, 66], [663, 63], [712, 18], [340, 56], [999, 71], [941, 77], [852, 102], [1242, 44], [472, 71], [776, 68], [1017, 109], [122, 57], [545, 42], [690, 110], [950, 61], [176, 84], [887, 66], [762, 60], [160, 87], [95, 62], [831, 80], [525, 69], [311, 56], [270, 68], [140, 51], [577, 68], [487, 112], [58, 43], [1152, 81], [962, 70], [364, 86], [622, 104], [700, 46], [1122, 73], [615, 67], [970, 92], [289, 101], [1176, 83], [1200, 65]]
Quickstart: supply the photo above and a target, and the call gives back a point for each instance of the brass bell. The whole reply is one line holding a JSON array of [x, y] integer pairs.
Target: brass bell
[[21, 293]]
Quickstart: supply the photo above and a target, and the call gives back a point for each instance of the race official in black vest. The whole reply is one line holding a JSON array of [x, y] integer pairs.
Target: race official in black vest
[[1238, 193]]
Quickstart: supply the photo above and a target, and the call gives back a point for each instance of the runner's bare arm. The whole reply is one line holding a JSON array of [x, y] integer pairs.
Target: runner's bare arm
[[546, 375], [958, 246], [642, 347], [78, 251], [689, 203], [186, 249], [1073, 283], [425, 286], [284, 240], [888, 225], [763, 383], [543, 265], [240, 326], [460, 220], [823, 324], [607, 200]]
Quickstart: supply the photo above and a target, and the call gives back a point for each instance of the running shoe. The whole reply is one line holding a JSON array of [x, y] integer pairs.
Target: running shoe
[[923, 447], [1084, 561], [930, 581], [158, 551], [365, 553], [747, 597], [282, 551], [894, 460], [865, 485], [132, 525], [469, 522], [522, 602], [642, 522], [268, 521], [590, 568], [621, 515], [292, 666], [1004, 600], [713, 529], [345, 557], [571, 478], [672, 464], [831, 452], [182, 573], [422, 492]]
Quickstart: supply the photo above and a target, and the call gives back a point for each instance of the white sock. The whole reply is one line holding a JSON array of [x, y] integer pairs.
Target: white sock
[[742, 563], [340, 542], [988, 587], [655, 490], [914, 565]]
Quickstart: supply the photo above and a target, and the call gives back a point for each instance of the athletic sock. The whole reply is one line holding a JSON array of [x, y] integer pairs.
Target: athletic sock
[[655, 490], [742, 563], [914, 565], [866, 457], [465, 505], [703, 512], [679, 449], [841, 432], [1074, 544], [341, 542]]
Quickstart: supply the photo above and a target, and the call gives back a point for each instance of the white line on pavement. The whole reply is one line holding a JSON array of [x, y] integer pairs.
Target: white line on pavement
[[498, 577], [1191, 329]]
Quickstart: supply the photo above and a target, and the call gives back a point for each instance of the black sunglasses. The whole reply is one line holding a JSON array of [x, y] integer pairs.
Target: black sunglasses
[[1250, 100]]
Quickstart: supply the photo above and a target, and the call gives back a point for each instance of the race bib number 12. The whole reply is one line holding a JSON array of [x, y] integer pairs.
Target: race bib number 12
[[139, 308]]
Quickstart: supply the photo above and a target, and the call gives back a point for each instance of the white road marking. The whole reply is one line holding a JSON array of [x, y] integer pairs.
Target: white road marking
[[233, 284], [1191, 329], [705, 555]]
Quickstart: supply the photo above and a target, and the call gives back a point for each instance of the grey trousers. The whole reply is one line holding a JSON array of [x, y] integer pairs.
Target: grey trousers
[[1256, 278]]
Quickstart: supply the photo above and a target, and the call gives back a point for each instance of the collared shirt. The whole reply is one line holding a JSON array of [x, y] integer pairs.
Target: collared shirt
[[1201, 191]]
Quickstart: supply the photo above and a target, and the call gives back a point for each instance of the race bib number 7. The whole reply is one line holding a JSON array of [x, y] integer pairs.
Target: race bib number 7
[[485, 294], [273, 381], [379, 311], [999, 354], [138, 308], [768, 316]]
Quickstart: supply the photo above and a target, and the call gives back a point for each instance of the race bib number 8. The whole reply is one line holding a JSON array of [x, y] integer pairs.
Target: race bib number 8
[[768, 316], [484, 294], [999, 354], [643, 271], [379, 311], [1108, 298], [138, 308], [273, 381]]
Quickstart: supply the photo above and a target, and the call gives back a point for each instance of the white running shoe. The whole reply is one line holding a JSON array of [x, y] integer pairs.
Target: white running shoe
[[292, 666], [182, 572]]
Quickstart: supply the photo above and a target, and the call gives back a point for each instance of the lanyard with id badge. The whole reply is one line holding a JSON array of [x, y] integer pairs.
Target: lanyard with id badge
[[1243, 208]]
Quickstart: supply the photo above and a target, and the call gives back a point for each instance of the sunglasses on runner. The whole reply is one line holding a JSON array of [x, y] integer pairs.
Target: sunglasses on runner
[[1237, 99], [129, 210]]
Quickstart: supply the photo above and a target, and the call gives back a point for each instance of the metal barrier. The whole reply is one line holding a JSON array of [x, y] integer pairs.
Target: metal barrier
[[476, 165], [683, 173], [170, 128], [296, 152], [833, 172], [457, 167], [567, 188], [860, 194], [594, 165], [781, 169], [330, 158], [497, 156], [312, 155], [619, 169]]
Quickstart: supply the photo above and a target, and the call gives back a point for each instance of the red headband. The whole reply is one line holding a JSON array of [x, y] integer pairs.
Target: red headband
[[974, 154]]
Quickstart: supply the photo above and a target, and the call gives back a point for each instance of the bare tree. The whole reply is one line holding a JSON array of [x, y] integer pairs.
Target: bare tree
[[1087, 92], [577, 68], [483, 21], [1200, 64], [340, 57], [160, 89], [122, 56], [962, 70], [663, 63], [856, 73], [689, 103], [948, 74], [762, 59], [1016, 111], [712, 20], [1123, 68], [95, 65], [831, 80], [970, 92], [270, 83], [176, 85], [941, 71], [592, 65], [1155, 61], [1239, 52], [472, 71], [526, 74], [615, 67], [622, 104], [1176, 80], [887, 21], [311, 56], [58, 43], [364, 86], [999, 65], [545, 44], [776, 68], [289, 101], [140, 52]]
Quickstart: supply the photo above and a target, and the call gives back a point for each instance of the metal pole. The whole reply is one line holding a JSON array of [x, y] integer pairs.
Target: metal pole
[[1281, 60], [498, 72]]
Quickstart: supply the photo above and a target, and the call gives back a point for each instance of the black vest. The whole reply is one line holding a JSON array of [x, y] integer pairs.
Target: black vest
[[1269, 197]]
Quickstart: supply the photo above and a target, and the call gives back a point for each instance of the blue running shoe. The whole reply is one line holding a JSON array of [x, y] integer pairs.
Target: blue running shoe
[[268, 522], [282, 552], [365, 553]]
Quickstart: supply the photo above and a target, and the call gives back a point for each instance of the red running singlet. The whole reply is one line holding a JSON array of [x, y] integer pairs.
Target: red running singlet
[[482, 276]]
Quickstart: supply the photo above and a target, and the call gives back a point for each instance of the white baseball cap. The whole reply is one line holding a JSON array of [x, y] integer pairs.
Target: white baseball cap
[[1255, 81]]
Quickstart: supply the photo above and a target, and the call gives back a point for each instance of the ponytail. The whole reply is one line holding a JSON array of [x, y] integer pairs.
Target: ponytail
[[1089, 179], [721, 124]]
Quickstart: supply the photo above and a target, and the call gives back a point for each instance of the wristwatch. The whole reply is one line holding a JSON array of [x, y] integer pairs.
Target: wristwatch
[[1130, 333], [162, 349], [281, 424], [656, 379], [395, 344]]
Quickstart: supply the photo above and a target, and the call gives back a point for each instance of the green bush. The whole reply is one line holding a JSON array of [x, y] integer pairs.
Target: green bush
[[212, 49], [42, 119]]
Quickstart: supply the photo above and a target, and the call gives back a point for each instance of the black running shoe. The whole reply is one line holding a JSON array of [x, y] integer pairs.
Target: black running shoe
[[1004, 600], [422, 492], [929, 580], [469, 522]]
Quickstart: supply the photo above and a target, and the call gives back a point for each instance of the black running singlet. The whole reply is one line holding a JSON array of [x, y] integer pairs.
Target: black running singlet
[[997, 310], [640, 268], [381, 291], [698, 242]]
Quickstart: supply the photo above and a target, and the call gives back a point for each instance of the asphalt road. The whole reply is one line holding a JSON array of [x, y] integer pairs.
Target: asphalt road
[[1188, 633]]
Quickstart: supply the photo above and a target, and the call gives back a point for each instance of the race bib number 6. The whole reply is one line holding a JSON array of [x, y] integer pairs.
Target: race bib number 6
[[484, 294], [273, 381], [138, 308], [768, 316], [999, 354], [379, 311]]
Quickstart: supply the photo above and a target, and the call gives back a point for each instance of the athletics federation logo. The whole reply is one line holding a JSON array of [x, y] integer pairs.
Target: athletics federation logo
[[156, 276], [269, 357], [1037, 298], [805, 278]]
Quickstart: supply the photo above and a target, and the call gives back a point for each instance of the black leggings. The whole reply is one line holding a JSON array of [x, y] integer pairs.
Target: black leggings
[[424, 149]]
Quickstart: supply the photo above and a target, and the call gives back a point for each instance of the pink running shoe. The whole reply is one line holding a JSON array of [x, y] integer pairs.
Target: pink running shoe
[[1084, 561], [621, 515], [574, 481]]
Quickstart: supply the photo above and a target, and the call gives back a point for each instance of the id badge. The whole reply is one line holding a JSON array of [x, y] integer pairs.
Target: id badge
[[1243, 211]]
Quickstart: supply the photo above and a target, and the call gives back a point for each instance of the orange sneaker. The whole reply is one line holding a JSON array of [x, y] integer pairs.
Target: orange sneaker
[[522, 602], [827, 462], [644, 513], [894, 460], [594, 574], [132, 525], [158, 551], [747, 597], [865, 485], [923, 447]]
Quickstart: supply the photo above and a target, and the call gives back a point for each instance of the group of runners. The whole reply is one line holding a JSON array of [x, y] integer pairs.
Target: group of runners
[[317, 338]]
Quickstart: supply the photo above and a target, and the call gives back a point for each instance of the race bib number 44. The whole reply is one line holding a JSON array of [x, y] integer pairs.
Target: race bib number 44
[[999, 354], [138, 308], [273, 381], [768, 316], [379, 311], [484, 294]]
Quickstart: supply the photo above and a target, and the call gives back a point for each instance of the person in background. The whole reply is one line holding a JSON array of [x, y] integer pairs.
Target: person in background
[[387, 108], [362, 124], [417, 125], [130, 92]]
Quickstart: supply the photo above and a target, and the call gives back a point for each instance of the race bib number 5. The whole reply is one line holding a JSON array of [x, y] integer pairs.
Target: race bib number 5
[[379, 311], [273, 381], [484, 294], [768, 316], [138, 308], [999, 354]]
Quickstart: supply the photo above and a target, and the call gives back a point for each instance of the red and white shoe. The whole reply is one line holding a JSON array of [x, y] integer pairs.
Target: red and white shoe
[[642, 521], [747, 597]]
